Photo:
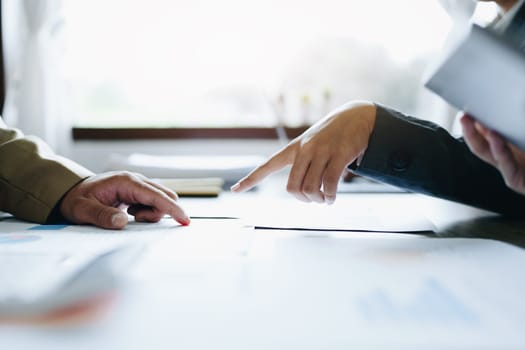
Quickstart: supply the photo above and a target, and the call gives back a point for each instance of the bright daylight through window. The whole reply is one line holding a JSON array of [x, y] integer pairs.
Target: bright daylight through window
[[229, 63]]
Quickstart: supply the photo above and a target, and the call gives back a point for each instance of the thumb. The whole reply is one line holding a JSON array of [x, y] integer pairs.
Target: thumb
[[98, 214]]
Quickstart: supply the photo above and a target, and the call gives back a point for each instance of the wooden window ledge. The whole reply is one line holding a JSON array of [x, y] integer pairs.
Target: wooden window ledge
[[80, 133]]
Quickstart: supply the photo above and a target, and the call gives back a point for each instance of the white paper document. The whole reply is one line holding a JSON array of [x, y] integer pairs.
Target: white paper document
[[464, 293], [380, 213], [39, 283], [254, 289], [344, 291], [484, 75], [44, 268]]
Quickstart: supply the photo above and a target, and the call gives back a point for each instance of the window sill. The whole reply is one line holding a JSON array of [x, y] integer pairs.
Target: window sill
[[82, 134]]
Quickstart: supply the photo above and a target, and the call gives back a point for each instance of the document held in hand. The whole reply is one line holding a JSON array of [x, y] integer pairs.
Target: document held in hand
[[484, 76]]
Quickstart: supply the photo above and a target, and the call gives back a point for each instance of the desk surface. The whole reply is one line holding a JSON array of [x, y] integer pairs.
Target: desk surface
[[221, 284]]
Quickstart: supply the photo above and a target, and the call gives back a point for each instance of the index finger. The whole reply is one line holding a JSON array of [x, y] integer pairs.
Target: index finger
[[146, 194], [276, 162]]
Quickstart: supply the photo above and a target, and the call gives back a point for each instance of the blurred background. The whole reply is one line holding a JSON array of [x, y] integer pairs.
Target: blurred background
[[221, 64]]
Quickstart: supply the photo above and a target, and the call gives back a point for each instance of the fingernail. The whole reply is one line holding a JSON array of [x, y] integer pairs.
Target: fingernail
[[119, 219], [185, 220], [235, 187], [329, 199]]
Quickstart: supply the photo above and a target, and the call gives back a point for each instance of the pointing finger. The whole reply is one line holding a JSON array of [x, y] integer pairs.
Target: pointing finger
[[172, 194], [275, 163], [148, 195]]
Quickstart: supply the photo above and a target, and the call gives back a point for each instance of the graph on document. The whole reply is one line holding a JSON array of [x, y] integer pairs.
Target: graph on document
[[430, 302]]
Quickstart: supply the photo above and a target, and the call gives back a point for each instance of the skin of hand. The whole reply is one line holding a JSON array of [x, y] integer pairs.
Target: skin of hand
[[320, 155], [101, 199], [505, 5], [495, 150]]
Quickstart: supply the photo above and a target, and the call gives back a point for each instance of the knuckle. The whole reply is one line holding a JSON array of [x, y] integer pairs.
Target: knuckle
[[168, 192], [305, 146], [122, 176], [309, 189], [128, 176]]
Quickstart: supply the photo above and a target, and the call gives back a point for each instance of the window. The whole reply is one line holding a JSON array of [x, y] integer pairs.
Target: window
[[244, 63]]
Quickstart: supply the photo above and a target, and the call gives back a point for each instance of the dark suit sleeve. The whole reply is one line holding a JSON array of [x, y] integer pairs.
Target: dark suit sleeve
[[422, 157]]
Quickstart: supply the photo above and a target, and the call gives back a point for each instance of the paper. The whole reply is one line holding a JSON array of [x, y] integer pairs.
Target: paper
[[484, 75], [38, 283], [381, 212], [23, 237], [464, 293], [378, 212], [385, 291], [47, 267], [289, 290]]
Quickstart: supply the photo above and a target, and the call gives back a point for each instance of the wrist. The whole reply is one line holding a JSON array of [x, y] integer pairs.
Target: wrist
[[63, 207]]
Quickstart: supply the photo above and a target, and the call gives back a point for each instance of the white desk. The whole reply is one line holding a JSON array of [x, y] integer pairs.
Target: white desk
[[219, 284]]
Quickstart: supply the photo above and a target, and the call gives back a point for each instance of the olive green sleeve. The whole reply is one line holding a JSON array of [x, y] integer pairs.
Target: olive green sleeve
[[33, 179]]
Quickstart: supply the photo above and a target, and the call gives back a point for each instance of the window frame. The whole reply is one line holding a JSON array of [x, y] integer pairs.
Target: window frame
[[244, 133]]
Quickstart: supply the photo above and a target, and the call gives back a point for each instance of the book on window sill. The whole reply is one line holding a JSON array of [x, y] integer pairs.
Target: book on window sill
[[195, 175], [196, 187]]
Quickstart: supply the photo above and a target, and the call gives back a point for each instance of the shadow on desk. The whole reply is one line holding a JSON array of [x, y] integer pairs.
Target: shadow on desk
[[508, 230]]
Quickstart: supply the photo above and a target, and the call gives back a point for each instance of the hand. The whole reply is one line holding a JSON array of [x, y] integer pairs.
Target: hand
[[320, 155], [495, 150], [100, 199]]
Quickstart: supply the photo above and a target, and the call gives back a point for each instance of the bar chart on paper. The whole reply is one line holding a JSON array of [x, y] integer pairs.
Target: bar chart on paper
[[429, 303], [17, 239]]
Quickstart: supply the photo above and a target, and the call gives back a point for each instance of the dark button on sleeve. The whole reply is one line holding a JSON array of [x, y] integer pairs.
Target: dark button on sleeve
[[399, 161]]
